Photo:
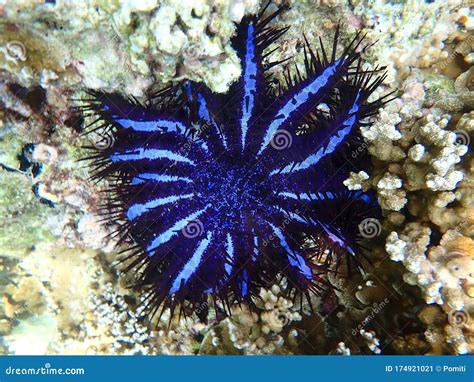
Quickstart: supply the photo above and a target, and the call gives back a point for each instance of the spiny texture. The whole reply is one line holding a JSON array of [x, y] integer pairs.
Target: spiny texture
[[223, 194]]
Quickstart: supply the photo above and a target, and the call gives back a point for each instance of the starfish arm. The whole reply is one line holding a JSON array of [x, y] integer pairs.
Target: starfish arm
[[131, 115], [285, 257], [249, 79], [241, 110], [191, 266], [183, 262], [322, 156], [338, 132], [339, 215], [178, 227], [157, 178], [327, 83], [295, 259], [138, 209], [147, 200], [229, 249], [140, 154], [160, 158], [245, 257], [295, 103], [160, 139]]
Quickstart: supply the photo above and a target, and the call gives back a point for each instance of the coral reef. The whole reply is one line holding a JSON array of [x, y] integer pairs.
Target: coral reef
[[59, 288], [423, 174]]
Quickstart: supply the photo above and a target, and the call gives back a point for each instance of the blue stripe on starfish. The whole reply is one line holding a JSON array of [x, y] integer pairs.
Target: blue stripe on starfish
[[138, 209], [149, 154], [192, 265], [308, 196], [255, 249], [334, 141], [141, 178], [203, 145], [243, 284], [366, 198], [204, 114], [293, 216], [358, 195], [294, 257], [229, 248], [157, 125], [167, 235], [304, 95], [250, 83]]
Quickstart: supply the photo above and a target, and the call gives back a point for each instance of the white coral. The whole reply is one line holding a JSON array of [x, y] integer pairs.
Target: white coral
[[356, 180], [393, 200], [262, 331], [384, 127], [372, 341], [416, 152], [446, 183], [389, 182], [395, 247]]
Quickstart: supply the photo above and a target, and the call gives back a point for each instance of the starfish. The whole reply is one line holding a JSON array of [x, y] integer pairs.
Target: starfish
[[222, 194]]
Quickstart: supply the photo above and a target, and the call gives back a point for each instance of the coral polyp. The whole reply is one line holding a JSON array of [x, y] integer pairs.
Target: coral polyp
[[223, 194]]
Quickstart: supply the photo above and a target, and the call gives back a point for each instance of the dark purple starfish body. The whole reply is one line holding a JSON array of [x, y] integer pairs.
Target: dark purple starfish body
[[223, 194]]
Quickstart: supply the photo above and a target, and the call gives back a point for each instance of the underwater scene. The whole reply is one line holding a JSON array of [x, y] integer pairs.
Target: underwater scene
[[236, 177]]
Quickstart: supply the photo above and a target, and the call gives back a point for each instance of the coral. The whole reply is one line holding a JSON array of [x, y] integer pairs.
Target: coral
[[424, 173], [443, 276], [356, 181], [263, 331], [432, 164], [372, 341], [342, 349], [390, 197], [113, 327], [27, 227], [166, 39], [434, 149]]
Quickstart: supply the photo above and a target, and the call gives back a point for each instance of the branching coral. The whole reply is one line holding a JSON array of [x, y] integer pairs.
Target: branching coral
[[267, 330]]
